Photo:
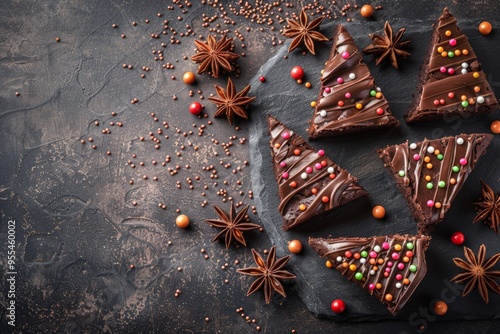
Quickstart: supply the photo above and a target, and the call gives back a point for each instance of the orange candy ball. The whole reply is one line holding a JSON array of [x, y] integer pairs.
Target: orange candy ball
[[440, 307], [366, 11], [295, 246], [182, 221], [378, 211], [495, 127], [189, 78], [485, 28]]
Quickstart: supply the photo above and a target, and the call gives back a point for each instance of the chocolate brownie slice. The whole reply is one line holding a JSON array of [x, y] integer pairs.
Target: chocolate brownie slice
[[389, 268], [348, 100], [451, 80], [309, 183], [431, 173]]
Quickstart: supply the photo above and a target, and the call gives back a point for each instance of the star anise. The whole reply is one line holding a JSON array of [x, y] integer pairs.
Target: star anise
[[214, 54], [303, 32], [230, 103], [489, 207], [388, 45], [477, 272], [269, 274], [232, 225]]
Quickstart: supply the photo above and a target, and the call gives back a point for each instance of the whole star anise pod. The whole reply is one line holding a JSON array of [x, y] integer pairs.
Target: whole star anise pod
[[388, 45], [268, 273], [230, 103], [477, 272], [304, 32], [489, 207], [214, 54], [232, 225]]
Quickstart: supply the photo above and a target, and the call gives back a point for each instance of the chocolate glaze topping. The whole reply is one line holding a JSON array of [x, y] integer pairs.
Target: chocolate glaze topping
[[431, 173], [309, 183], [388, 267], [348, 100], [451, 78]]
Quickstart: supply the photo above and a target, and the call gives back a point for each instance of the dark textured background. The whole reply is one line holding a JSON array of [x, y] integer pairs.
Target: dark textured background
[[77, 230], [358, 154]]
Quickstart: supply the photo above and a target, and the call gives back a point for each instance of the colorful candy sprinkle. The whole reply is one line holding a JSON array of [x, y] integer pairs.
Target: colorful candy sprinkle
[[338, 306], [457, 238], [297, 72]]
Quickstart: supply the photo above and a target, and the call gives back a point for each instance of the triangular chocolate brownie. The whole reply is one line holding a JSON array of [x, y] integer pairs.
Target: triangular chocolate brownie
[[388, 267], [431, 173], [451, 78], [309, 183], [348, 100]]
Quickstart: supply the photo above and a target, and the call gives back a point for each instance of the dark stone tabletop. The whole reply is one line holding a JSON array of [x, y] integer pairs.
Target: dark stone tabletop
[[95, 252]]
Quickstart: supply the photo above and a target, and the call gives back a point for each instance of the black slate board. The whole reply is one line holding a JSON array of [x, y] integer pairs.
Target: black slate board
[[318, 285]]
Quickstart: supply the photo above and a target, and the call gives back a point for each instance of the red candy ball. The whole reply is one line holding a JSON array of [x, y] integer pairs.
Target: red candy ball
[[297, 72], [458, 238], [338, 306], [262, 79], [195, 108]]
